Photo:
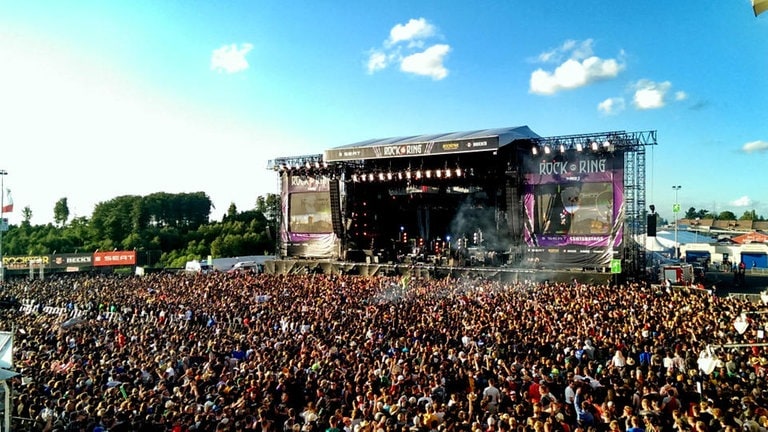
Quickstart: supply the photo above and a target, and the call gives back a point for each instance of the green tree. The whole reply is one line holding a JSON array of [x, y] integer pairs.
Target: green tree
[[727, 215], [269, 206], [114, 220], [749, 215], [26, 215], [61, 211], [692, 213], [186, 211], [232, 210]]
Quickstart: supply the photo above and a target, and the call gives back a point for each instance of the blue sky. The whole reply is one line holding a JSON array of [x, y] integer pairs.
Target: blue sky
[[106, 98]]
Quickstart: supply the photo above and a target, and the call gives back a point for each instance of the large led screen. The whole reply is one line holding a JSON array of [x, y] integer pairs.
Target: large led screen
[[574, 207], [310, 212]]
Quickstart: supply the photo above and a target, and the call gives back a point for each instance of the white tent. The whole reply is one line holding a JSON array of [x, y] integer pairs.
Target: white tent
[[655, 244], [667, 238]]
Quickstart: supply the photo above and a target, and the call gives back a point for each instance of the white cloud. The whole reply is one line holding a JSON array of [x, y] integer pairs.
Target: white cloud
[[569, 49], [742, 202], [415, 29], [650, 95], [427, 63], [579, 50], [377, 61], [611, 106], [230, 58], [405, 46], [681, 96], [580, 69], [755, 146]]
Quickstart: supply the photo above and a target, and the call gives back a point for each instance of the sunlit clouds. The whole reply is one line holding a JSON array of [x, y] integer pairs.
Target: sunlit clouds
[[414, 31], [230, 58], [755, 147], [650, 95], [578, 67], [611, 106], [405, 47], [744, 201]]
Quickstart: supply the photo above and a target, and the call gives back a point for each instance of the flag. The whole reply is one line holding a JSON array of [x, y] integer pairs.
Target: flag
[[759, 6], [6, 350], [8, 204]]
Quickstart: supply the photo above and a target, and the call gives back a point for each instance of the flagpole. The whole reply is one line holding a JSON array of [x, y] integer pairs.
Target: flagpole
[[3, 225]]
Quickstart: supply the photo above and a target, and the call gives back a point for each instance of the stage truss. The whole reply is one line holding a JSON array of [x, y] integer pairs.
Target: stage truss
[[633, 145]]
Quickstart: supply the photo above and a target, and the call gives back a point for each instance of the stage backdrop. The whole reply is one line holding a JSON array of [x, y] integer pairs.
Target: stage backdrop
[[574, 208], [306, 230]]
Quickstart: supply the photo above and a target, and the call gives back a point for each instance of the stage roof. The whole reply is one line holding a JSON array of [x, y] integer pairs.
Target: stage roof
[[427, 145]]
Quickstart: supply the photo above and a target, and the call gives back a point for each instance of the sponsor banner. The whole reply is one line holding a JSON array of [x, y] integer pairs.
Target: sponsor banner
[[572, 256], [412, 149], [58, 261], [21, 262], [115, 258]]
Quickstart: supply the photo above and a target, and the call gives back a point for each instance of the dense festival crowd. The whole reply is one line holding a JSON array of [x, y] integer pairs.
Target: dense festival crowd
[[256, 352]]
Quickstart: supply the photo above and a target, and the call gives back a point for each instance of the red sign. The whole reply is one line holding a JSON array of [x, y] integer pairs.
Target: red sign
[[116, 258]]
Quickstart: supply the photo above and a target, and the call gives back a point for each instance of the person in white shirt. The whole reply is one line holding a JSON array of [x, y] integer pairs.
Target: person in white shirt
[[492, 395]]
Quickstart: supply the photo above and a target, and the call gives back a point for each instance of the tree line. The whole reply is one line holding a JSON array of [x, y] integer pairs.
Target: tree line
[[166, 230], [728, 215]]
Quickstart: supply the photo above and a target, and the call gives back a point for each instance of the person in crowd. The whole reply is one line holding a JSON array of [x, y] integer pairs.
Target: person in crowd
[[260, 352]]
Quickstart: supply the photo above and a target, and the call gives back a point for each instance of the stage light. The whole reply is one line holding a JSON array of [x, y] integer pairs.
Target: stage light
[[579, 147], [325, 164], [389, 175], [428, 173], [381, 176], [447, 173], [594, 145], [418, 174], [606, 144], [458, 172], [408, 174], [354, 178], [370, 177], [546, 149], [534, 150], [562, 148], [438, 173], [308, 165]]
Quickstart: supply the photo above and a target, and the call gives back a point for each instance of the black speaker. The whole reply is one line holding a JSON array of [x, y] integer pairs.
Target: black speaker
[[652, 225]]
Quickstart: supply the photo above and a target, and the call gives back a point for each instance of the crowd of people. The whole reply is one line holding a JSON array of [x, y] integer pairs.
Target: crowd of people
[[258, 352]]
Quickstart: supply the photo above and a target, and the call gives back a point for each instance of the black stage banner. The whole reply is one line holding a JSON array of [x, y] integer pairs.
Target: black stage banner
[[395, 150]]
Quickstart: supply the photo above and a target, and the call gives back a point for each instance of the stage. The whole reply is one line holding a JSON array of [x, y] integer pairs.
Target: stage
[[503, 203], [504, 274]]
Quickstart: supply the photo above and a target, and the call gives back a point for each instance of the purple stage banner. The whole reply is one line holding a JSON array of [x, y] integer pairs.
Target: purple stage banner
[[306, 228], [574, 207]]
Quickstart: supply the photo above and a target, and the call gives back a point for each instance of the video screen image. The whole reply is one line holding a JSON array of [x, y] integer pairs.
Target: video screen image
[[574, 208], [310, 212]]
